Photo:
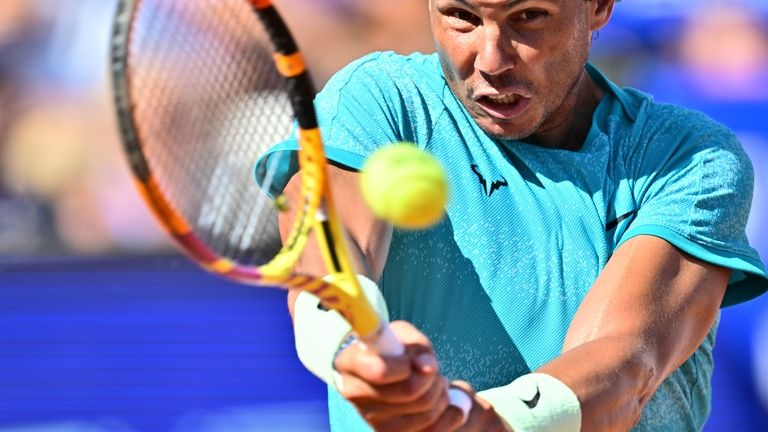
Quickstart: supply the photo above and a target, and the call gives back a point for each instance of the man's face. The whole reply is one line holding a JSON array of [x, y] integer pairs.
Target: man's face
[[513, 63]]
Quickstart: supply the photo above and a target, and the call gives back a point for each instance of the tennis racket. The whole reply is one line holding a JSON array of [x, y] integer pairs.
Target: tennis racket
[[203, 88]]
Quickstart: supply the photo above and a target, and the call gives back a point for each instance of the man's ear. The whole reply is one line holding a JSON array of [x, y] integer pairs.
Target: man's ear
[[601, 12]]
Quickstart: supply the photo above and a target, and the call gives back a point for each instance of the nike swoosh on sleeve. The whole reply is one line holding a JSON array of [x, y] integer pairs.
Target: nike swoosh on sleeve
[[614, 223]]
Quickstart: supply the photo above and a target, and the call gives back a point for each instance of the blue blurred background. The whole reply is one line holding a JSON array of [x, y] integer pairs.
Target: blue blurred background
[[103, 327]]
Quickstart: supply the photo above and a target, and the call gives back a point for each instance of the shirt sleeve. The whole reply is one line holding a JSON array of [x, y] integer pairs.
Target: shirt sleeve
[[693, 188], [364, 106]]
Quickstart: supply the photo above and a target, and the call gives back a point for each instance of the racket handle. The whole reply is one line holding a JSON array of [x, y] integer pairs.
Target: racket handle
[[388, 344]]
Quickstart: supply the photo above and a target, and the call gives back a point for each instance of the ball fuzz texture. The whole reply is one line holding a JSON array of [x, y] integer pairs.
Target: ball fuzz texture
[[405, 186]]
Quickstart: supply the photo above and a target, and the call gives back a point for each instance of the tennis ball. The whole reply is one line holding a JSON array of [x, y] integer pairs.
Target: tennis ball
[[404, 186]]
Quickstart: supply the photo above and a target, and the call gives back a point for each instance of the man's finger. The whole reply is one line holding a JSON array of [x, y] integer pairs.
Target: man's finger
[[406, 418], [412, 390], [434, 398], [451, 419], [482, 417], [359, 361]]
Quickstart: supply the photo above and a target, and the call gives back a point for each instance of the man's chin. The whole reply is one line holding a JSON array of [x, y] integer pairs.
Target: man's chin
[[505, 132]]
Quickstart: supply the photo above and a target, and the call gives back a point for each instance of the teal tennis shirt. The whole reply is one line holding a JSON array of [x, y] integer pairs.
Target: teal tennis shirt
[[528, 229]]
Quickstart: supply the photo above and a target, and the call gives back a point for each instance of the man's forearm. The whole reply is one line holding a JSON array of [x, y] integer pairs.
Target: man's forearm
[[646, 313], [613, 378]]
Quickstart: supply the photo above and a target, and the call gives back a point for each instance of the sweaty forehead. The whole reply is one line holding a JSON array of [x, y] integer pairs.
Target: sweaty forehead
[[492, 3]]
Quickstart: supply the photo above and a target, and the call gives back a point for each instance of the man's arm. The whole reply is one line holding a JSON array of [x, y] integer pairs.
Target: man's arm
[[397, 393], [647, 313], [368, 236]]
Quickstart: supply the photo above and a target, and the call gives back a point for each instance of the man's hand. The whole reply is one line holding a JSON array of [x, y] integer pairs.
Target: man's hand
[[398, 393], [482, 417]]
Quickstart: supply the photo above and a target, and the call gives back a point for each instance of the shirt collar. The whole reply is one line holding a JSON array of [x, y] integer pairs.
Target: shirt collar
[[629, 105]]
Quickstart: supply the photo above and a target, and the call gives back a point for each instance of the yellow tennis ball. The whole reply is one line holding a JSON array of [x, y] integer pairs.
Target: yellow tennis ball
[[405, 186]]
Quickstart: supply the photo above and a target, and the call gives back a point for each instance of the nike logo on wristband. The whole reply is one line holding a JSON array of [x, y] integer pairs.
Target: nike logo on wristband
[[535, 401]]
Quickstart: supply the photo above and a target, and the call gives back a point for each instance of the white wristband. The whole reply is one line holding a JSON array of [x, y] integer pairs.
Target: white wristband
[[319, 333], [536, 403]]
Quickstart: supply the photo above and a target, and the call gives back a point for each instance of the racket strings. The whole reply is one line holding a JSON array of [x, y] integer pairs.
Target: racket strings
[[208, 103]]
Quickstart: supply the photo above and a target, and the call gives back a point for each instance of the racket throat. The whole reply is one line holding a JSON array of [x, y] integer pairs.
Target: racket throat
[[330, 254]]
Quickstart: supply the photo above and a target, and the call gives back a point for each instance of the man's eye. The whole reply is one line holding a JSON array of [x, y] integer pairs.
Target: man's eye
[[462, 15], [533, 15]]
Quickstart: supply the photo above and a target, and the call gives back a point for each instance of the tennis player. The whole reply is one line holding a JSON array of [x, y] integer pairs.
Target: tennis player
[[591, 238]]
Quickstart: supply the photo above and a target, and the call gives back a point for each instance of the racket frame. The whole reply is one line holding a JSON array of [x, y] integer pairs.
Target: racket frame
[[316, 212]]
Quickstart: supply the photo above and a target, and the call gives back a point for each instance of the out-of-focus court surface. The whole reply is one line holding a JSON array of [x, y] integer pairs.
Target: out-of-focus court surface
[[147, 344]]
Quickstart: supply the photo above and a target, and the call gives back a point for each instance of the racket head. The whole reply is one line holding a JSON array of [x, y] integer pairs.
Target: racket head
[[202, 89]]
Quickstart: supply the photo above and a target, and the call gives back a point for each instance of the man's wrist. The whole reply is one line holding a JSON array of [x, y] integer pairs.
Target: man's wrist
[[321, 335], [536, 403], [318, 335]]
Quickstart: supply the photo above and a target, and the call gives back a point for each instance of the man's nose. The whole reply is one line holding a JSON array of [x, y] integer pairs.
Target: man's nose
[[495, 52]]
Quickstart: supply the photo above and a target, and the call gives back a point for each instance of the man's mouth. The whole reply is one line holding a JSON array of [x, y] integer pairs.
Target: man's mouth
[[504, 99], [503, 107]]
